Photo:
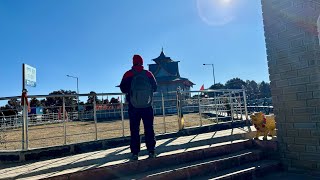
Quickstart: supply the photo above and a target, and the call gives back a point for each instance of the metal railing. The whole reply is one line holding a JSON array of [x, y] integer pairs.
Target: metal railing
[[63, 121], [218, 106]]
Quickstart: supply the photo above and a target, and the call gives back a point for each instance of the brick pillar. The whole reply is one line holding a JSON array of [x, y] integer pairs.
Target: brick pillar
[[294, 66]]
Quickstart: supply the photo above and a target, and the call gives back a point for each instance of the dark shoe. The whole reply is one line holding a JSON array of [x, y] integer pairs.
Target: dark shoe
[[134, 157], [152, 154]]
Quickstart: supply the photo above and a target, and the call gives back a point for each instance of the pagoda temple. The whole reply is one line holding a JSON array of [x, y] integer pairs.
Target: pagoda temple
[[166, 72]]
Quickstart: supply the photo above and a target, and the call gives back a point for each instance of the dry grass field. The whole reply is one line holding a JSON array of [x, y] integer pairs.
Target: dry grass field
[[53, 134]]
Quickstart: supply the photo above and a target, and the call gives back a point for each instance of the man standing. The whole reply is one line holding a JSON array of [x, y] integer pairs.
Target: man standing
[[139, 85]]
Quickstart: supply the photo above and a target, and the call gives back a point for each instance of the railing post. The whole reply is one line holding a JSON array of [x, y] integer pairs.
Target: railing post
[[95, 117], [245, 104], [122, 115], [235, 108], [25, 139], [163, 113], [201, 122], [245, 109], [231, 105], [215, 101], [64, 120], [179, 109], [199, 103], [22, 128], [240, 106]]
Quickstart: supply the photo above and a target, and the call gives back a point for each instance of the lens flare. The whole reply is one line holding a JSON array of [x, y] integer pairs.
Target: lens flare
[[215, 12], [226, 2]]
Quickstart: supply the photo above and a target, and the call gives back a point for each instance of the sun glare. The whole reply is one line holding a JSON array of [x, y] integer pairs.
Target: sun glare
[[225, 2], [216, 12]]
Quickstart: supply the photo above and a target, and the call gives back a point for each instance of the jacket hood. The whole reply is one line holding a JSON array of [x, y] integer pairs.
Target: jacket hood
[[138, 68]]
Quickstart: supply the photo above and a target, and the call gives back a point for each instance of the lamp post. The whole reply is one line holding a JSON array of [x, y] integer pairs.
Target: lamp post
[[77, 91], [214, 78]]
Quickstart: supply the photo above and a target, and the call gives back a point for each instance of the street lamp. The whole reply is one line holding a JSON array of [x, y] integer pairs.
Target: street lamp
[[77, 90], [214, 79]]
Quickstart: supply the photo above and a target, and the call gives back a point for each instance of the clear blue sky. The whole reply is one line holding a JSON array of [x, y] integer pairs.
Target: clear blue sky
[[96, 39]]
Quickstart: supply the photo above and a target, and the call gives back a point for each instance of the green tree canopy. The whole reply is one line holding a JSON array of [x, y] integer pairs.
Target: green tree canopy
[[70, 102], [252, 89], [92, 97], [114, 101], [34, 102], [264, 89], [235, 83], [217, 86]]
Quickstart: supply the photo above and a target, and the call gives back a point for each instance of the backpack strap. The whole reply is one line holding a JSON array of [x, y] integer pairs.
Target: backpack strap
[[136, 72]]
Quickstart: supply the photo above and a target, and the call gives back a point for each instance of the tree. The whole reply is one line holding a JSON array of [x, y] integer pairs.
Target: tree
[[43, 102], [216, 86], [264, 89], [114, 101], [106, 101], [56, 102], [90, 100], [8, 111], [252, 89], [235, 83], [92, 97], [34, 102], [14, 103], [11, 108]]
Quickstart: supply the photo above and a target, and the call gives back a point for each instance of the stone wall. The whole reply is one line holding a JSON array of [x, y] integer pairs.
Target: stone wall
[[292, 42]]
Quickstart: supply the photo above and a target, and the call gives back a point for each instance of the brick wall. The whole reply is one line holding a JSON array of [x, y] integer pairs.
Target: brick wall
[[292, 42]]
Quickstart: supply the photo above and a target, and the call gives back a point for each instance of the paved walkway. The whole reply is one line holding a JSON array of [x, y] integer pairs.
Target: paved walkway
[[48, 168]]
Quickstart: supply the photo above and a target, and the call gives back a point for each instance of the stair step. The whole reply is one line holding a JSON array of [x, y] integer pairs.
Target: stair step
[[223, 150], [225, 141], [201, 167], [247, 171]]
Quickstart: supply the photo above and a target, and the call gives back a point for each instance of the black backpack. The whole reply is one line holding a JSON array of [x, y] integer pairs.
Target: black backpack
[[141, 92]]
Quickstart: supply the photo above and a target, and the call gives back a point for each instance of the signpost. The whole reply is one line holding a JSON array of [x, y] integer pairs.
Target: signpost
[[29, 75]]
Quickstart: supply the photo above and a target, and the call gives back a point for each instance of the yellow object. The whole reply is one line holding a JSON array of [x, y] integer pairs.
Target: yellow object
[[181, 124], [265, 124]]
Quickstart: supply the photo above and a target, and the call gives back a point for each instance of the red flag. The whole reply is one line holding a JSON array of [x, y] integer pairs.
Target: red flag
[[202, 87]]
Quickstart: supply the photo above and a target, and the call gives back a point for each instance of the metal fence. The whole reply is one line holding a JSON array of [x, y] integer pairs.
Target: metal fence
[[67, 122]]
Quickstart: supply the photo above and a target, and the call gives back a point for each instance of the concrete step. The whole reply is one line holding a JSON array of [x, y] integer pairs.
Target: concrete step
[[203, 167], [235, 128], [222, 156], [247, 171], [114, 162]]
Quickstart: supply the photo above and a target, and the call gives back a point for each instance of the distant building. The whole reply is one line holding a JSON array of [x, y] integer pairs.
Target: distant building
[[166, 72]]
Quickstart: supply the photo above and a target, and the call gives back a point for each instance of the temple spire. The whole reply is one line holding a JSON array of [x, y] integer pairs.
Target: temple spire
[[162, 53], [162, 57]]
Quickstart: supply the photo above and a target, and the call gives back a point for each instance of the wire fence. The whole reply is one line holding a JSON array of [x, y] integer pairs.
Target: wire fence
[[67, 122]]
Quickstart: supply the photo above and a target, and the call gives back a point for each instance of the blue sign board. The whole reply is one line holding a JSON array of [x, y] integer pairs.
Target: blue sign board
[[30, 75], [36, 110]]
